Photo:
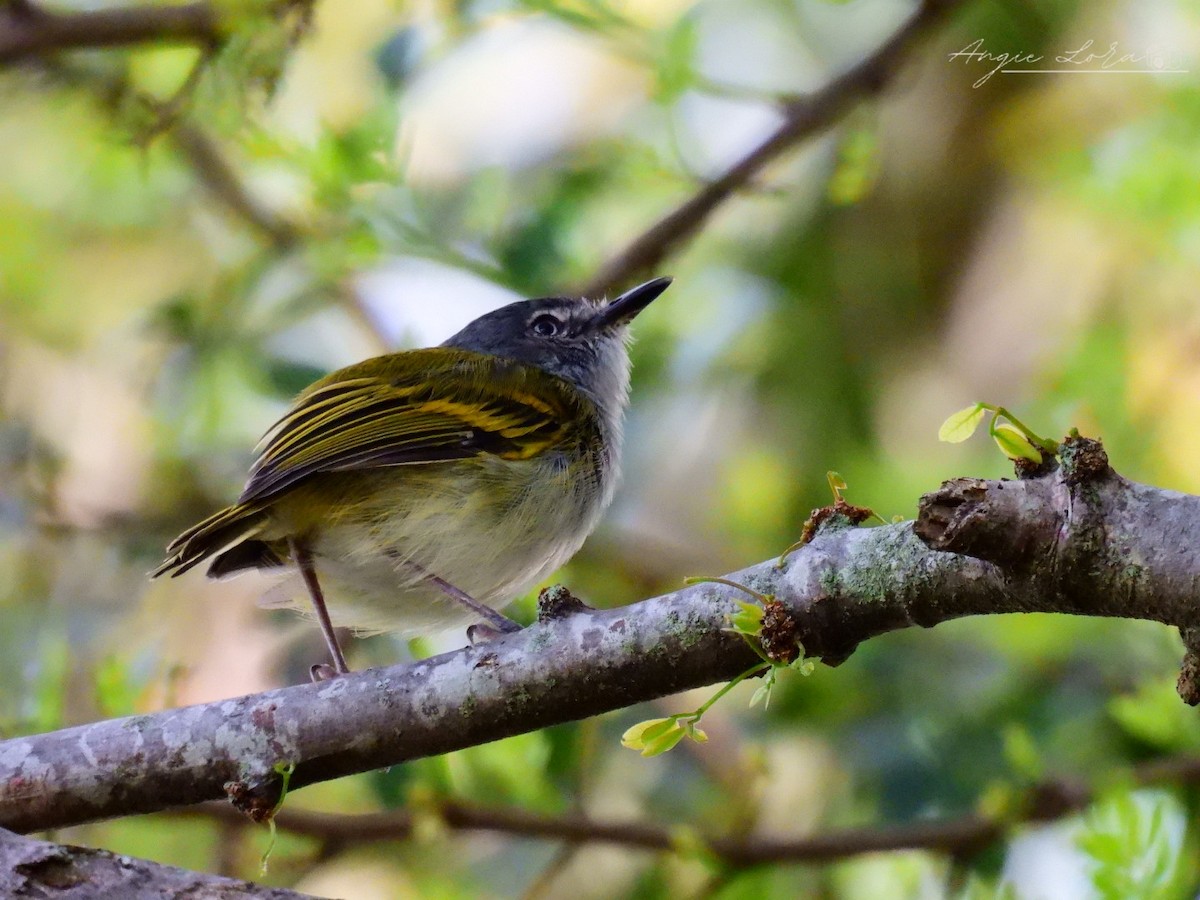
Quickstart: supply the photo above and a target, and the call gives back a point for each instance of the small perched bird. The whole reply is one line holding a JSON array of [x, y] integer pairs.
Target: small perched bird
[[430, 486]]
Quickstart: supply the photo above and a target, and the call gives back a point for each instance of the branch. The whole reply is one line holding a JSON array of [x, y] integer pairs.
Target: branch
[[1080, 540], [960, 836], [218, 177], [30, 868], [335, 830], [29, 31], [804, 117]]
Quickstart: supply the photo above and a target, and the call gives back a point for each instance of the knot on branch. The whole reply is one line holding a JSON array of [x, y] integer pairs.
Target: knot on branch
[[945, 514], [1027, 468], [1039, 528], [839, 516], [557, 602], [1013, 523], [780, 636], [1188, 685], [1083, 460], [257, 801]]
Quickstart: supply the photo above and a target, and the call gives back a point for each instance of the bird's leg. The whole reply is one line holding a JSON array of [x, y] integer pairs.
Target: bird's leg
[[496, 620], [496, 623], [302, 557]]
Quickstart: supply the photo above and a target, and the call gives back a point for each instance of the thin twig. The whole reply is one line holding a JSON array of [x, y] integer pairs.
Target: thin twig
[[219, 179], [29, 31], [805, 116]]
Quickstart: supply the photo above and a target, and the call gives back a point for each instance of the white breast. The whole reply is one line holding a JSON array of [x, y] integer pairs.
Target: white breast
[[493, 528]]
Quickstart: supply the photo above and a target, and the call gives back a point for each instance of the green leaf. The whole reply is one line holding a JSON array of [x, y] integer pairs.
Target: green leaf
[[636, 737], [1022, 753], [763, 694], [1154, 716], [284, 770], [857, 169], [676, 71], [962, 424], [1138, 846], [837, 483], [748, 620], [689, 728], [1014, 444], [802, 664], [664, 742]]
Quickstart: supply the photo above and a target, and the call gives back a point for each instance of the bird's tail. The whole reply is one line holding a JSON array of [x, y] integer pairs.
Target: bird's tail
[[214, 534]]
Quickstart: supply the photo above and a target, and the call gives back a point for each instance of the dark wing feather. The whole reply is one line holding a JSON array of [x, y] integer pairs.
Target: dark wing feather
[[421, 406]]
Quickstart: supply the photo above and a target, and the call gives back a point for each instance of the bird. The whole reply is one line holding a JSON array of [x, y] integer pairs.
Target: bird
[[429, 487]]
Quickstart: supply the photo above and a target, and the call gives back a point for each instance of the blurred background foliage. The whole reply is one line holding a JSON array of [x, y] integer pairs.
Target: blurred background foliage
[[188, 237]]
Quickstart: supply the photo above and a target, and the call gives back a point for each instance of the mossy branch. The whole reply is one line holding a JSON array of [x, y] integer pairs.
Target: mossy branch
[[1079, 540]]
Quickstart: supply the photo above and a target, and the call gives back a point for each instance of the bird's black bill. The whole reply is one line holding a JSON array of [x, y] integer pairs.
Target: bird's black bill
[[630, 303]]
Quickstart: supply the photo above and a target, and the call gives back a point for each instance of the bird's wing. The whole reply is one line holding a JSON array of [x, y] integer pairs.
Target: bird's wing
[[420, 406]]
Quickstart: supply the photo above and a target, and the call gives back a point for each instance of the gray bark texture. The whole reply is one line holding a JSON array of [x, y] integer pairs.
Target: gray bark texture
[[1078, 540], [38, 869]]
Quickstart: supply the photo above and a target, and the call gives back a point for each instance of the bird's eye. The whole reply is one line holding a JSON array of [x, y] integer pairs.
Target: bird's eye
[[546, 325]]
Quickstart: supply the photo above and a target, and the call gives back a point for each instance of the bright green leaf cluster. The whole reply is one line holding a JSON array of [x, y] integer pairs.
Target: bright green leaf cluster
[[1012, 436], [1154, 716], [747, 620], [1013, 444], [655, 736], [1022, 753], [763, 693], [961, 425], [1134, 841]]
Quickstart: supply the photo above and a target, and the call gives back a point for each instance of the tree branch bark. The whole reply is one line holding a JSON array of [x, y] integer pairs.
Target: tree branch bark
[[30, 31], [1074, 541], [30, 868]]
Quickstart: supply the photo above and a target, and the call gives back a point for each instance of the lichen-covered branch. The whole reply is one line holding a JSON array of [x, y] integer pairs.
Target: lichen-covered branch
[[31, 868], [1076, 541]]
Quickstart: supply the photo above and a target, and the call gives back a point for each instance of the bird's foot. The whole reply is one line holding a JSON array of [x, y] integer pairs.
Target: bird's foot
[[483, 632], [324, 672], [557, 602]]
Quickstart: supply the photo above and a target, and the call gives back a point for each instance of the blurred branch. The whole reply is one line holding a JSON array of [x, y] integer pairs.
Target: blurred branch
[[804, 117], [1079, 540], [31, 868], [218, 177], [27, 30], [961, 836]]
